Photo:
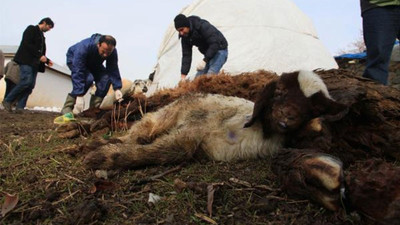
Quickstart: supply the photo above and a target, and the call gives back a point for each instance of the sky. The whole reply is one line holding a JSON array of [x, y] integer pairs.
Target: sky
[[139, 26]]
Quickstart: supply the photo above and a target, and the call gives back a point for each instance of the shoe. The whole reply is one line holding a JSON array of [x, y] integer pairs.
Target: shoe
[[7, 106], [64, 119], [19, 111]]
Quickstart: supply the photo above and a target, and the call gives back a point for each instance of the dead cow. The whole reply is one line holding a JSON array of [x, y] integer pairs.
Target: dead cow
[[214, 125]]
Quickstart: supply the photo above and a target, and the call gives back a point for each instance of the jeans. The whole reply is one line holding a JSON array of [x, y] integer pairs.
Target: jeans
[[381, 27], [215, 64], [24, 88], [9, 86]]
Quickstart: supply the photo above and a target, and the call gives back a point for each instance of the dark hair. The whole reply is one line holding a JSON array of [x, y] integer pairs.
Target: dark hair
[[181, 21], [48, 21], [108, 39]]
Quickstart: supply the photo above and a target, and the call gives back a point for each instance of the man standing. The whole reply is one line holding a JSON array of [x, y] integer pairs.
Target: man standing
[[31, 57], [210, 41], [381, 27], [85, 60]]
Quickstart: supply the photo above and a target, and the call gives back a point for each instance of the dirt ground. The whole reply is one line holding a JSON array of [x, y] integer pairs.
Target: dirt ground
[[53, 187]]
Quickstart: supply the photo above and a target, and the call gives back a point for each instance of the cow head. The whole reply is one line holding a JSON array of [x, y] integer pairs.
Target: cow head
[[291, 101]]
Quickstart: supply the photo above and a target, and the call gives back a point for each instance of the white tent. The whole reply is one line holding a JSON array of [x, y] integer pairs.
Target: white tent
[[262, 34]]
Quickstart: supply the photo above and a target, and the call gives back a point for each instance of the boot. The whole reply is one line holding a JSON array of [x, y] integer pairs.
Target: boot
[[68, 105], [64, 119], [7, 106], [95, 101], [67, 116]]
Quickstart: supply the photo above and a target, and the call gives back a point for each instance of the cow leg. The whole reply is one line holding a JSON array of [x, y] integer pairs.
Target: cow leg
[[151, 126], [175, 147]]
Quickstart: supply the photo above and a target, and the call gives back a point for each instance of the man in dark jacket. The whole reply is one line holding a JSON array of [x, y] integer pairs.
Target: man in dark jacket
[[210, 41], [31, 57], [381, 27], [85, 60]]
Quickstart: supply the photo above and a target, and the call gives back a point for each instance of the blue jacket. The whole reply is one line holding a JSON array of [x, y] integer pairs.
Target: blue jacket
[[83, 57]]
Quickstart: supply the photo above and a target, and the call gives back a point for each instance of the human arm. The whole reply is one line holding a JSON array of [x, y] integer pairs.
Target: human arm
[[113, 70], [186, 56]]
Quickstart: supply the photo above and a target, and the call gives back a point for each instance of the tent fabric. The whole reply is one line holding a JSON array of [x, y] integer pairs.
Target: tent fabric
[[262, 34]]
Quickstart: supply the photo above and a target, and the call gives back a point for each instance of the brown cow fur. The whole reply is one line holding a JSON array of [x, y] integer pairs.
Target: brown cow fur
[[310, 174], [371, 187], [370, 128]]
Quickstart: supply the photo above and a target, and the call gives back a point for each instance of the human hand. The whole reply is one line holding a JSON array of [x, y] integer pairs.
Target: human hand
[[50, 63], [118, 95], [43, 59], [201, 65], [183, 77]]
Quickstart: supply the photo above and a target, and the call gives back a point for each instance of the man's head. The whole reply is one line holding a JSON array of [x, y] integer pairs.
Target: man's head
[[106, 45], [182, 25], [46, 24]]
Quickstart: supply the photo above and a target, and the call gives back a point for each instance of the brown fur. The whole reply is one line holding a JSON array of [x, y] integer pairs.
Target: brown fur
[[282, 106], [311, 174], [374, 189]]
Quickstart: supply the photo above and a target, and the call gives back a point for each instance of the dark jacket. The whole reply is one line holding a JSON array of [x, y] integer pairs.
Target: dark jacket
[[206, 37], [32, 47], [369, 4], [84, 56]]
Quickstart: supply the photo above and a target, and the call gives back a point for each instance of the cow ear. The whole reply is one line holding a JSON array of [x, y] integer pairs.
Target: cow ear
[[263, 103], [326, 107]]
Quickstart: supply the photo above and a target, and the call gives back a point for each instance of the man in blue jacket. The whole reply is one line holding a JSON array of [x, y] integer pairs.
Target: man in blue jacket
[[85, 60], [381, 27], [31, 57], [210, 41]]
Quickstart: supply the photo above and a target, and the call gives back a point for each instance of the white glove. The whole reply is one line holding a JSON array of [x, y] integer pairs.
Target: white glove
[[118, 95], [79, 104], [201, 65]]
